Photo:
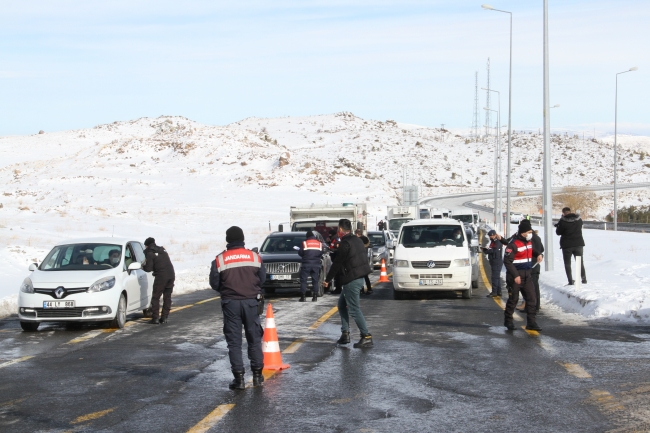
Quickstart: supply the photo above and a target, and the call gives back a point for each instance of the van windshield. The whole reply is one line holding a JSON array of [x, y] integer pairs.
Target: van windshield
[[464, 218], [396, 224], [430, 236], [82, 257]]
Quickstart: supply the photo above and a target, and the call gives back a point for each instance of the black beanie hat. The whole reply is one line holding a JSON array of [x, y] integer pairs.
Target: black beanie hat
[[492, 233], [524, 226], [234, 234], [149, 241], [310, 234]]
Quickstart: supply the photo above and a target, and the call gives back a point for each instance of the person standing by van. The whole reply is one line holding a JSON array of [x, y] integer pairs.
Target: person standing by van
[[494, 253]]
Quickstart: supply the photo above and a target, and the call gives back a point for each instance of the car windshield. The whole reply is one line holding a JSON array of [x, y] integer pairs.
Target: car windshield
[[82, 257], [282, 244], [376, 239], [396, 224], [430, 236], [464, 218]]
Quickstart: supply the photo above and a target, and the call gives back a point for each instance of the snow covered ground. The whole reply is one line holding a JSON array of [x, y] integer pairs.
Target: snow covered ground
[[185, 183]]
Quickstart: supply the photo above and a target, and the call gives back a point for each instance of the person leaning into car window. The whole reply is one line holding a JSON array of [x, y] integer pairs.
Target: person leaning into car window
[[157, 261]]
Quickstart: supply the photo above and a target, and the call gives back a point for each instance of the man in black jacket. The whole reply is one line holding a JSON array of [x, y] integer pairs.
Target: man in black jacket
[[351, 265], [538, 256], [158, 262], [569, 228], [237, 274], [494, 253]]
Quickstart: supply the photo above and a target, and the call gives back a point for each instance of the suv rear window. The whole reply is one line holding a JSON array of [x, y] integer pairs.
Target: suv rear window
[[282, 244]]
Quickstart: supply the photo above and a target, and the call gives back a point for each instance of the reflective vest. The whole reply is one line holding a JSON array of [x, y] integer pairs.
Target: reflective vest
[[312, 244], [523, 254], [239, 274]]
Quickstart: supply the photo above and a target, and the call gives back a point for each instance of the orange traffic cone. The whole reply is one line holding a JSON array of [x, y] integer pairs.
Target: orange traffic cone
[[271, 345], [383, 277]]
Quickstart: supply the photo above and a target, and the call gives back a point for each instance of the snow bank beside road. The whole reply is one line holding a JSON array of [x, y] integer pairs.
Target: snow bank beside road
[[618, 278]]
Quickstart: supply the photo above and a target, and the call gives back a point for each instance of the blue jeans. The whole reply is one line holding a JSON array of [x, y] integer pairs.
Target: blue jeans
[[349, 305]]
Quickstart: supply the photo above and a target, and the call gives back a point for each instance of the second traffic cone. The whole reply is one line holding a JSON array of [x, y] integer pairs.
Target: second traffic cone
[[271, 345], [383, 276]]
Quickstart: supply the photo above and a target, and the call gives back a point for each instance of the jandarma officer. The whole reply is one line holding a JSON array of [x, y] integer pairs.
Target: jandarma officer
[[237, 274], [311, 252]]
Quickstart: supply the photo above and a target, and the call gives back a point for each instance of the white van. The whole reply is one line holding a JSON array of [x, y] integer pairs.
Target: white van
[[434, 254]]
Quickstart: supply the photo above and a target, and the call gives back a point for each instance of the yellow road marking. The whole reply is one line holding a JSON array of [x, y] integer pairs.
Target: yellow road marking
[[605, 401], [294, 346], [87, 336], [576, 370], [483, 274], [530, 332], [15, 361], [173, 310], [207, 300], [324, 318], [92, 416], [213, 417]]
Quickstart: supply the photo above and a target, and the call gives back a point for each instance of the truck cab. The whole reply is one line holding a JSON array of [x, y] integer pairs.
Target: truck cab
[[434, 254]]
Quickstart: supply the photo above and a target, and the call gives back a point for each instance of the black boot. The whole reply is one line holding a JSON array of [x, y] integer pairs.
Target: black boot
[[154, 321], [508, 324], [238, 381], [493, 295], [366, 341], [302, 298], [258, 379], [163, 320], [314, 298], [533, 327], [345, 338]]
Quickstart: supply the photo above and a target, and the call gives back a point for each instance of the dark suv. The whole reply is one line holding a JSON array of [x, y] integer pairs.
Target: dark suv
[[279, 253]]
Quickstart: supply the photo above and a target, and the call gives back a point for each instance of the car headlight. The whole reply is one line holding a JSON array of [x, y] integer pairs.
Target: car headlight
[[27, 286], [461, 262], [103, 284], [401, 263], [381, 250]]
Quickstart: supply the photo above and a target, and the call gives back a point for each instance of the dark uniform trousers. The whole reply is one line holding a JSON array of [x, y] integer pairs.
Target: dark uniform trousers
[[535, 275], [307, 271], [528, 291], [235, 314], [496, 265], [162, 286]]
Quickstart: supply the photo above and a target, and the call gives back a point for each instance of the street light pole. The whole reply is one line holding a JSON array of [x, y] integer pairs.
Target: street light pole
[[616, 147], [547, 200], [498, 214], [508, 182], [499, 181]]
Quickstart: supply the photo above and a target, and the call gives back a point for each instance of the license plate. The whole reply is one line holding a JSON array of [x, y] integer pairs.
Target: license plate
[[281, 277], [431, 282], [58, 304]]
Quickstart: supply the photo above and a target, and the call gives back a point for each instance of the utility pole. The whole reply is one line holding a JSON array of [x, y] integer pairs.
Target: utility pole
[[475, 116], [488, 125], [547, 200]]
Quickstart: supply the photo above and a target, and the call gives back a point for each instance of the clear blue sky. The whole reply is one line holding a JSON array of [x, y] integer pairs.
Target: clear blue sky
[[74, 64]]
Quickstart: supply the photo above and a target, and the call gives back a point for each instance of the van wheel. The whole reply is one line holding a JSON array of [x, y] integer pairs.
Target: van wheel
[[467, 294], [29, 326], [120, 315], [475, 284], [398, 295]]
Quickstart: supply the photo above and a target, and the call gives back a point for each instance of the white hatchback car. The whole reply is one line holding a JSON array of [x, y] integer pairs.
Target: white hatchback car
[[86, 280]]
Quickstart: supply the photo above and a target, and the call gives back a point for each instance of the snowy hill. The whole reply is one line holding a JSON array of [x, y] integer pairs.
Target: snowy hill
[[185, 183]]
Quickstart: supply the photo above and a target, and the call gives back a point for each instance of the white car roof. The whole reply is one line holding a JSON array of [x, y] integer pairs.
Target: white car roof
[[436, 221], [97, 240]]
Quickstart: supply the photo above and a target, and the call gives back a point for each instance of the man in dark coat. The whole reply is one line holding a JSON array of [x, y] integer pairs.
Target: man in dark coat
[[237, 274], [351, 265], [569, 228], [494, 253], [311, 251], [538, 256], [158, 262]]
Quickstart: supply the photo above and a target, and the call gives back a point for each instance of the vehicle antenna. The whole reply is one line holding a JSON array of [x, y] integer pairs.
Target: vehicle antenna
[[113, 235]]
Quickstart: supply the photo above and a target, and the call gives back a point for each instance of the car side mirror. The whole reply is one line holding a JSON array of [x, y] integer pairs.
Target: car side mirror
[[134, 266], [390, 244], [33, 267], [255, 250], [473, 243]]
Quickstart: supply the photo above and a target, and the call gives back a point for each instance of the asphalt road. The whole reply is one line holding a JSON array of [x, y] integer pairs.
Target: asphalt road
[[440, 364]]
